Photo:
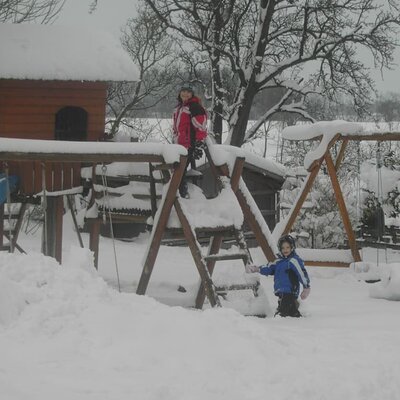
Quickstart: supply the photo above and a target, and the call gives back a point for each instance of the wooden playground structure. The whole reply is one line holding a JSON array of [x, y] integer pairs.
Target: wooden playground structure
[[170, 161], [52, 154], [332, 167]]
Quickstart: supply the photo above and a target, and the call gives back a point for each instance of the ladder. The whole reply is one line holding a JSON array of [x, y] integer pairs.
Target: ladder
[[214, 255], [205, 263], [16, 218]]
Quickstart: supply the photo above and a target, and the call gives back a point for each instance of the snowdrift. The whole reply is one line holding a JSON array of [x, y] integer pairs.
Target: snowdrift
[[388, 276], [65, 334]]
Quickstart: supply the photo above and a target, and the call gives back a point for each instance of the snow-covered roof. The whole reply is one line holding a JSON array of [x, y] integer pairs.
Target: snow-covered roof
[[222, 154], [53, 52]]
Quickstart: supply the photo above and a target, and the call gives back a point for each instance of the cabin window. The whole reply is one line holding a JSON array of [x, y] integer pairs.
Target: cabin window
[[71, 124]]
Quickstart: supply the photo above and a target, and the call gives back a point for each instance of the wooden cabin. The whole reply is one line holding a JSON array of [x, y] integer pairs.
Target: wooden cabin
[[264, 179], [53, 85]]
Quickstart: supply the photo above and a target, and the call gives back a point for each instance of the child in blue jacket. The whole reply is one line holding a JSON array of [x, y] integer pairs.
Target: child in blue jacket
[[289, 272]]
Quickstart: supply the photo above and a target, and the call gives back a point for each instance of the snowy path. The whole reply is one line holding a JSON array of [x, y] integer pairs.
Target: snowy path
[[80, 339]]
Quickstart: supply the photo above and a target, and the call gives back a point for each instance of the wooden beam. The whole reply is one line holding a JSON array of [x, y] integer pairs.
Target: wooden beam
[[380, 137], [249, 217], [163, 214], [237, 173], [340, 156], [389, 136], [153, 193], [59, 228], [213, 168], [79, 157], [18, 225], [94, 240], [255, 226], [302, 196], [335, 264], [342, 207], [215, 245], [194, 247]]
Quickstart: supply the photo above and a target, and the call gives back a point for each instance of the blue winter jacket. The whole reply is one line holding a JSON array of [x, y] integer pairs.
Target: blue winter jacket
[[288, 273]]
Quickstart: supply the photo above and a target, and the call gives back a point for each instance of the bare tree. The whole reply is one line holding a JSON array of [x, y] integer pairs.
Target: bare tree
[[41, 11], [145, 39], [272, 43]]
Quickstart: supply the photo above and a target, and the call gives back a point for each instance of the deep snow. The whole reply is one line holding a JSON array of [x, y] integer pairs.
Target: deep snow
[[78, 338]]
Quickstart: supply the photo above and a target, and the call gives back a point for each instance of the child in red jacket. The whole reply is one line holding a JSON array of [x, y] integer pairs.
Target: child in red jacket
[[190, 127]]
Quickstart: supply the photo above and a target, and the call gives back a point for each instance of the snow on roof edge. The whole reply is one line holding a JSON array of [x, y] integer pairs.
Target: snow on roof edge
[[56, 52], [221, 152]]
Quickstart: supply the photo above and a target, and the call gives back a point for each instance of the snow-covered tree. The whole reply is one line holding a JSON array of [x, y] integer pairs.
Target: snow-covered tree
[[300, 46]]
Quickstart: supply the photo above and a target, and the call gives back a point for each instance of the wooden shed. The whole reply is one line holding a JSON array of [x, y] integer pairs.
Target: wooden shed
[[53, 85], [264, 179]]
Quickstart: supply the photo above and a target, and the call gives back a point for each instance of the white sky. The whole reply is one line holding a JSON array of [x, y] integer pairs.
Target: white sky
[[111, 15]]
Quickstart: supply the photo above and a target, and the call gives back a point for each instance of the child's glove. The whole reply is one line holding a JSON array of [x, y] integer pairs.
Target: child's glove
[[305, 293], [250, 269]]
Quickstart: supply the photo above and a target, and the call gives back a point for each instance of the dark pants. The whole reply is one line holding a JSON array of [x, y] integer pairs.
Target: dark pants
[[288, 306], [183, 187]]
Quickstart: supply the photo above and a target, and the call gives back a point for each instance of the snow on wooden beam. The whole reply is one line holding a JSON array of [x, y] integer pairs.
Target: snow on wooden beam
[[345, 129], [66, 151]]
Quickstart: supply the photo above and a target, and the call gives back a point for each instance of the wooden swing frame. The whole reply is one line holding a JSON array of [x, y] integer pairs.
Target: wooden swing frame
[[332, 168]]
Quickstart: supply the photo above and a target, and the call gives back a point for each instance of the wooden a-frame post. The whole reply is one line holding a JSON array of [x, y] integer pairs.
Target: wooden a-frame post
[[307, 185], [342, 207], [159, 228]]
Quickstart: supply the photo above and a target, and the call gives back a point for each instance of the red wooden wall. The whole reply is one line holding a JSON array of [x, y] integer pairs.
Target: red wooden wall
[[28, 109]]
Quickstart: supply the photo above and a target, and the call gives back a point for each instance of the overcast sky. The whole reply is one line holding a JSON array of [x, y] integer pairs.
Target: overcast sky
[[111, 15]]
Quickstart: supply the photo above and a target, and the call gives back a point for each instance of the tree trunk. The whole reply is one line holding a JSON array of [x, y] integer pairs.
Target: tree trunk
[[216, 81], [217, 99], [239, 119]]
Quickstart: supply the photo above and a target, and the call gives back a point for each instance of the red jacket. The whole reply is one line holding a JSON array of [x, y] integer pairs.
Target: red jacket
[[190, 122]]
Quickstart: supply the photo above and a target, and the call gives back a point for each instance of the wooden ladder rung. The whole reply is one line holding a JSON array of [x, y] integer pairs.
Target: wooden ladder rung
[[163, 167], [242, 286], [227, 256], [228, 229], [12, 216]]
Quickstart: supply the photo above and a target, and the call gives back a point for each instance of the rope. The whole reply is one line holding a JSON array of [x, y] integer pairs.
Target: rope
[[107, 198], [10, 232]]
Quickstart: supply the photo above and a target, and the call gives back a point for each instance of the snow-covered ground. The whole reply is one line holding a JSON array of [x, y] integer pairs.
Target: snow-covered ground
[[67, 334]]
